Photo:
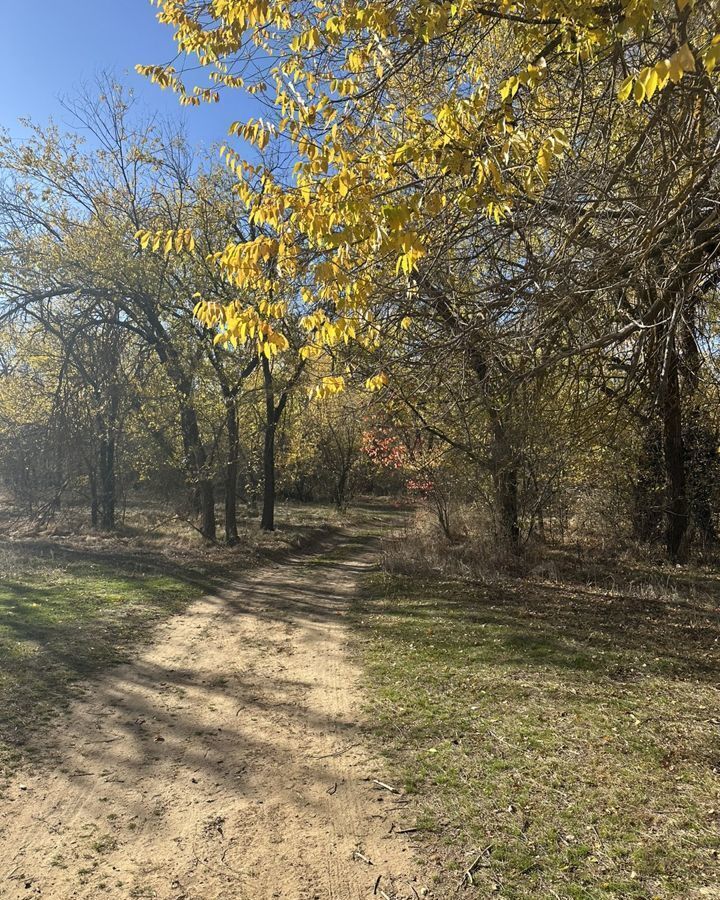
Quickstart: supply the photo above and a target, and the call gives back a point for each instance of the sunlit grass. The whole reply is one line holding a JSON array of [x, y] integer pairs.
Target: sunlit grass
[[62, 621], [575, 736]]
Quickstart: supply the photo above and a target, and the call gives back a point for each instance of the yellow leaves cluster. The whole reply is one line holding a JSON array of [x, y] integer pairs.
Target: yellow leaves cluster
[[238, 325], [430, 19], [533, 76], [654, 78], [412, 251], [311, 351], [711, 56], [166, 77], [209, 313], [552, 149], [163, 76], [372, 185], [326, 387], [255, 131], [307, 40], [377, 382], [328, 332], [168, 240], [245, 263], [249, 13], [272, 309]]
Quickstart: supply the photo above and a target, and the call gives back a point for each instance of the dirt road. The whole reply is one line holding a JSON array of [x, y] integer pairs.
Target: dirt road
[[227, 761]]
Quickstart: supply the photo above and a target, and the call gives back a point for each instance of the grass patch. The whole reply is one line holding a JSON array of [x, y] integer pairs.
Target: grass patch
[[573, 732], [61, 621], [104, 844]]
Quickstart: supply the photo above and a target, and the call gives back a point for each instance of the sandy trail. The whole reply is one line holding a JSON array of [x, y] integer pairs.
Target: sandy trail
[[225, 762]]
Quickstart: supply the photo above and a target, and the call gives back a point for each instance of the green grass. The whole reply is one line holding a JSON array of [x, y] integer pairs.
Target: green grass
[[573, 733], [64, 619]]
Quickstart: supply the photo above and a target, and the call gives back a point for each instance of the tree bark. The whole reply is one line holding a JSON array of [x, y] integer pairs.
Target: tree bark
[[678, 518], [106, 468], [197, 459], [267, 522], [231, 471], [503, 460], [341, 488], [92, 480], [195, 455], [273, 414], [505, 483], [232, 463]]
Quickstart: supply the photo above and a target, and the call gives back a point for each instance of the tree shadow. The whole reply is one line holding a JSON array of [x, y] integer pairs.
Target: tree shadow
[[53, 639], [616, 634]]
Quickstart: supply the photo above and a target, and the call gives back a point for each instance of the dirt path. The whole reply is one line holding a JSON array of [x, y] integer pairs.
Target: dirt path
[[225, 762]]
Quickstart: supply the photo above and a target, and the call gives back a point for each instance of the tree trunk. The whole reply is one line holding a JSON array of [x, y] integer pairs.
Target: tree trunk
[[267, 523], [195, 455], [341, 489], [505, 484], [503, 462], [231, 471], [92, 480], [106, 468], [674, 450], [197, 459], [273, 414], [207, 509]]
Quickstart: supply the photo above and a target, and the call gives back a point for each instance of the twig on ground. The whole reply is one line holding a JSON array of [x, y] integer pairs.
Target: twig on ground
[[385, 786], [467, 879], [337, 752]]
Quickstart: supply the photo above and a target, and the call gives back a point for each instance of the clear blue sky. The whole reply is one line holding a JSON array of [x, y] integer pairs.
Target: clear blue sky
[[49, 47]]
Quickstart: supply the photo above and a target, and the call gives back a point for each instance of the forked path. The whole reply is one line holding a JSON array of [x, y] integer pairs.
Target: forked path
[[227, 761]]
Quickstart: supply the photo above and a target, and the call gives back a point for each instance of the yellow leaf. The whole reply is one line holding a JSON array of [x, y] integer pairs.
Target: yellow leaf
[[681, 62], [377, 382], [649, 80], [625, 89]]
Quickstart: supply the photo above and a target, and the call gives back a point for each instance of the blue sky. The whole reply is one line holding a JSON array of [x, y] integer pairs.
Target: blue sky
[[49, 47]]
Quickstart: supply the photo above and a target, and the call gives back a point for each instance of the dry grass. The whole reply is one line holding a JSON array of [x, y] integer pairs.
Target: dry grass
[[154, 527], [420, 548]]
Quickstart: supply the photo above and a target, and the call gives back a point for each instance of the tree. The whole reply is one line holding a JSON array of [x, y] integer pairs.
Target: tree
[[72, 241], [482, 165]]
